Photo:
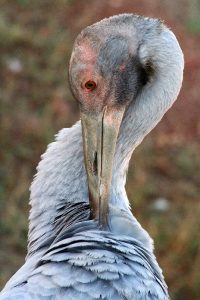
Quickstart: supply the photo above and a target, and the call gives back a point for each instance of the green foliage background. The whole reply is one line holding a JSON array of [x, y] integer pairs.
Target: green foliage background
[[35, 44]]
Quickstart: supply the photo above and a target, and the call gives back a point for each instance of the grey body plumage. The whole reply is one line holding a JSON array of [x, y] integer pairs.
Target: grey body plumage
[[69, 255]]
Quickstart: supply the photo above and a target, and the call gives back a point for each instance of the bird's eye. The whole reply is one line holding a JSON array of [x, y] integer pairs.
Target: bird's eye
[[90, 85]]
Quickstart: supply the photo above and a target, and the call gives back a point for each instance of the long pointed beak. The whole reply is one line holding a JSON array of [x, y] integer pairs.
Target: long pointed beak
[[100, 132]]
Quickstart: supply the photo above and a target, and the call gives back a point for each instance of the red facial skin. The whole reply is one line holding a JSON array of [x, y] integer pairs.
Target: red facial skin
[[91, 99]]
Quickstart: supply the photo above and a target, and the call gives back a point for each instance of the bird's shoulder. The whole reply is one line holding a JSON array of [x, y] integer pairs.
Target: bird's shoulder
[[86, 263]]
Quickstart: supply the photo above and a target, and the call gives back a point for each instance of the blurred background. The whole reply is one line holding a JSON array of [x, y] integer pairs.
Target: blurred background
[[163, 185]]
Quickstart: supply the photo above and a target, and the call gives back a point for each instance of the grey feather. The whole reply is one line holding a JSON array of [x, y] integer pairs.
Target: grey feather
[[69, 256]]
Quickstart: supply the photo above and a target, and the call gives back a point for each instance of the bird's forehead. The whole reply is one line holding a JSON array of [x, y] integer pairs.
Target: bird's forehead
[[102, 50], [104, 53], [83, 59], [87, 53]]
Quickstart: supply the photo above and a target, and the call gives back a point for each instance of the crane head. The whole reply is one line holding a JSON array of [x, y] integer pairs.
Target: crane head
[[105, 75]]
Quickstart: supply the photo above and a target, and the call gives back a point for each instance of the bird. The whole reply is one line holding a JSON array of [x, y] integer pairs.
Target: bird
[[84, 242]]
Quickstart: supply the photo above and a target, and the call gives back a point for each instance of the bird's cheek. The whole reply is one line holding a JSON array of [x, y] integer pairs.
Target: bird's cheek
[[91, 102]]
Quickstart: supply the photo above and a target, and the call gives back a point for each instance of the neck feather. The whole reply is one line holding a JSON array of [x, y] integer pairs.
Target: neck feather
[[156, 97]]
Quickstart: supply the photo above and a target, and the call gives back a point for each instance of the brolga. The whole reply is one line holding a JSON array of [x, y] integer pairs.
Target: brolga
[[84, 242]]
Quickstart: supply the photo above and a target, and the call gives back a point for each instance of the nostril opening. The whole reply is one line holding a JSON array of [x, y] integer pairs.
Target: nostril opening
[[95, 164]]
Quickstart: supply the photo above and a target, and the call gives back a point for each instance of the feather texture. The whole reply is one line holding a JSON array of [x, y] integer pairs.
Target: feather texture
[[86, 263], [69, 256]]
